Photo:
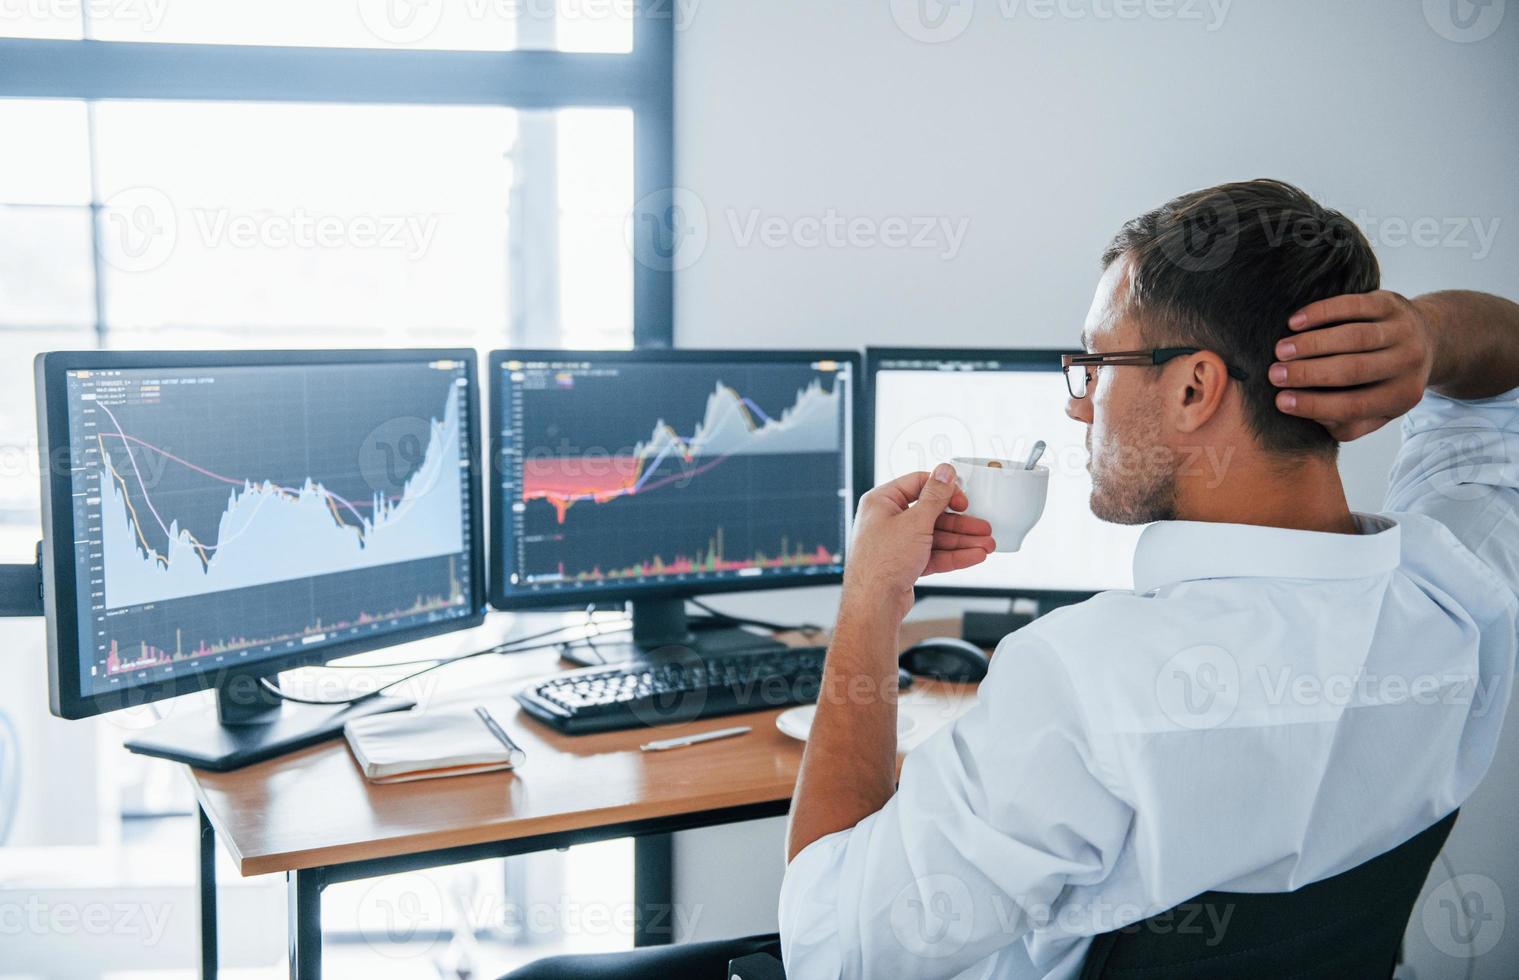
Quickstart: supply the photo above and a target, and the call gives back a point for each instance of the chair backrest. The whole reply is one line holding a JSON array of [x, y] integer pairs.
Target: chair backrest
[[1346, 927]]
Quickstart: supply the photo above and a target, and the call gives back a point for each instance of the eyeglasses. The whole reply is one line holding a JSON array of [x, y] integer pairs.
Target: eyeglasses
[[1081, 369]]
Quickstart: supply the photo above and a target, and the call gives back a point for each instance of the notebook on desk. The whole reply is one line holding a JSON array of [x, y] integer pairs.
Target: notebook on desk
[[403, 746]]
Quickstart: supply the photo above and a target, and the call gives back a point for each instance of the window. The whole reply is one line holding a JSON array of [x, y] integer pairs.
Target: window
[[297, 174], [308, 225], [457, 25], [46, 284]]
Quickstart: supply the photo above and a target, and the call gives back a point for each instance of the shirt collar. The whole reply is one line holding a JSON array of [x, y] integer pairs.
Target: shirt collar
[[1183, 551]]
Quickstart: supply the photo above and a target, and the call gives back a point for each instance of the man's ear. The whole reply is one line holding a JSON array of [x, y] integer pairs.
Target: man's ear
[[1199, 390]]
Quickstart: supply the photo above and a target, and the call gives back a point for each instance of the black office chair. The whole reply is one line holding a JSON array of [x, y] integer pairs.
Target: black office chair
[[1346, 928]]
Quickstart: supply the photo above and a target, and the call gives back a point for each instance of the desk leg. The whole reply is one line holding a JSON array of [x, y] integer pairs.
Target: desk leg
[[305, 904], [653, 890], [207, 884]]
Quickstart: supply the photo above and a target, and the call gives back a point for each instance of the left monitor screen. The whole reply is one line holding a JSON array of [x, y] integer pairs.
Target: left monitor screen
[[227, 515]]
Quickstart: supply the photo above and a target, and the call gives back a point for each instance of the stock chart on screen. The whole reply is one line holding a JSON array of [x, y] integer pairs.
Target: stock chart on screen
[[637, 473], [232, 513]]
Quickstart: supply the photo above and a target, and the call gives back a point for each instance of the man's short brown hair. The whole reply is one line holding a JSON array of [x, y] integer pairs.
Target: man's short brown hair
[[1223, 268]]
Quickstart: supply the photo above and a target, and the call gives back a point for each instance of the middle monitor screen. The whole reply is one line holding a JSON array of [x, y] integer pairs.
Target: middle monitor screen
[[634, 474]]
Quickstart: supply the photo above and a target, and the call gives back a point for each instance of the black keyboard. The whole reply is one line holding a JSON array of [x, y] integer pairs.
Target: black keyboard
[[662, 692]]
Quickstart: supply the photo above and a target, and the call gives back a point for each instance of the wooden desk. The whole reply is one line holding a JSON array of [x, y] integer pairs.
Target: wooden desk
[[312, 814]]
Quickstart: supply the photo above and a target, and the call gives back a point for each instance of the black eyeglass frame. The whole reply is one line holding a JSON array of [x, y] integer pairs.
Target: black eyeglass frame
[[1128, 358]]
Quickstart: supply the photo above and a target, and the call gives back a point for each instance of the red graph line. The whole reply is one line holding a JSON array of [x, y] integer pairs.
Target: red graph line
[[147, 498], [562, 500], [709, 561], [168, 455], [218, 476], [133, 460], [637, 481]]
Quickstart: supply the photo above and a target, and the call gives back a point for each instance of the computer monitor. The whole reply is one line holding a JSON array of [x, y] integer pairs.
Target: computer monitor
[[647, 477], [213, 518], [927, 406]]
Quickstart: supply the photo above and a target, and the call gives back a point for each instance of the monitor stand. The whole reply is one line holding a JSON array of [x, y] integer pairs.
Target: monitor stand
[[21, 588], [986, 629], [661, 630], [250, 724]]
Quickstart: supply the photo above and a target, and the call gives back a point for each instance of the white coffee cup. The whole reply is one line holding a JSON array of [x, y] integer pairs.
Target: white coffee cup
[[1004, 494]]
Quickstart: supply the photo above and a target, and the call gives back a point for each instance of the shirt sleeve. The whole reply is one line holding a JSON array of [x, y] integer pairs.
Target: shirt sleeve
[[1460, 465], [994, 816]]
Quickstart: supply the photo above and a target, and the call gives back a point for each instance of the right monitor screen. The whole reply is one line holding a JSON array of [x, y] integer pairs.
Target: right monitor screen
[[930, 407]]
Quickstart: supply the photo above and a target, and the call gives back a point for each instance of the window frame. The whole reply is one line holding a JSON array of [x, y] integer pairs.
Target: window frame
[[641, 80]]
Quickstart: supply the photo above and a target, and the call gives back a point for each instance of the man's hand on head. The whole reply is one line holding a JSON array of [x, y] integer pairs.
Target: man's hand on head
[[904, 531], [1354, 362]]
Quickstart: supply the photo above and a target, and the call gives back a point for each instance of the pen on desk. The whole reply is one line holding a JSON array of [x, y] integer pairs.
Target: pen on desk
[[684, 740], [513, 751]]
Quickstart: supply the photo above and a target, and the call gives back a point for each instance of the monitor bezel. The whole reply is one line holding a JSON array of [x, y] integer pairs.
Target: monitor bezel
[[66, 695], [1024, 359], [621, 592]]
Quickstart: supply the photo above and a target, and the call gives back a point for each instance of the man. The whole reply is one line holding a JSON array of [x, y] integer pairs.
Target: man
[[1290, 690]]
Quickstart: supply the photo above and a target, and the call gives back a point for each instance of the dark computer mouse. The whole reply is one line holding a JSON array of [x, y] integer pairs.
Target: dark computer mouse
[[945, 658]]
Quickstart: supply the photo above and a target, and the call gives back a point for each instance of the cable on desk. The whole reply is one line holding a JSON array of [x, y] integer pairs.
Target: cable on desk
[[590, 641], [517, 646], [512, 647], [507, 646], [811, 629]]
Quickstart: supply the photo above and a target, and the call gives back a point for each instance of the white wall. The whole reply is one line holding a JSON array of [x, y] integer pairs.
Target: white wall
[[1037, 133]]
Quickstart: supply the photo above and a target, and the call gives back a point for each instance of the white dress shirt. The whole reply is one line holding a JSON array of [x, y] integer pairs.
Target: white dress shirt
[[1266, 708]]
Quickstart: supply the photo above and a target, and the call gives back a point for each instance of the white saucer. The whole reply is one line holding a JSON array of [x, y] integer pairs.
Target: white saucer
[[797, 722]]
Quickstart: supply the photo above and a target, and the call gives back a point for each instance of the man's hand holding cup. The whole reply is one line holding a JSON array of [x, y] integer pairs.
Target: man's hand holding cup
[[904, 530]]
